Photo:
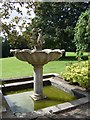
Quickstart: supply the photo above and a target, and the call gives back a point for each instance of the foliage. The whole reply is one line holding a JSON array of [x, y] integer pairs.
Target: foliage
[[82, 33], [0, 47], [78, 73], [16, 40], [13, 27], [57, 20], [5, 47]]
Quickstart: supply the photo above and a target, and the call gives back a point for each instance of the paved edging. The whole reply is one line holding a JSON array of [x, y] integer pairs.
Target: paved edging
[[68, 105], [61, 107]]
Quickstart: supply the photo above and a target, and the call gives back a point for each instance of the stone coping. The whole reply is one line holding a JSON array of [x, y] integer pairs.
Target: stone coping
[[27, 78], [85, 98], [65, 106]]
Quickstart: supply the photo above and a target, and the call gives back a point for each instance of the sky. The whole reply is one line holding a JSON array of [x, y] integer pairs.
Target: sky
[[24, 11], [14, 13]]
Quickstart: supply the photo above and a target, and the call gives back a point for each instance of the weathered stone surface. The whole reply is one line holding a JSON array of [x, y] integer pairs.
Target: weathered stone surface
[[29, 115], [37, 58]]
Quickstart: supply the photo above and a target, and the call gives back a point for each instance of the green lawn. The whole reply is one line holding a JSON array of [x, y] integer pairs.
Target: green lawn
[[74, 54], [12, 67]]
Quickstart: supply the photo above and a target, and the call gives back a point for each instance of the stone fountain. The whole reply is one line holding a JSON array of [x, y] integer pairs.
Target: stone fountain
[[37, 58]]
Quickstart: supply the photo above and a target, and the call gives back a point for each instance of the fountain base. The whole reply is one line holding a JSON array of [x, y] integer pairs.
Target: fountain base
[[37, 97]]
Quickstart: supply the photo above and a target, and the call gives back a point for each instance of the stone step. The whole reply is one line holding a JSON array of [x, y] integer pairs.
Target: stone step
[[22, 79], [20, 83]]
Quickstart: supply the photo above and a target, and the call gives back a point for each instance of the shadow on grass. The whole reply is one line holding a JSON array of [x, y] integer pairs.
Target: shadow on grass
[[72, 58], [69, 58]]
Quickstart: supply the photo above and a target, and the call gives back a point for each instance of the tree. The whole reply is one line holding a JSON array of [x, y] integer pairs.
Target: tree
[[57, 20], [5, 48], [0, 47], [16, 38], [82, 33]]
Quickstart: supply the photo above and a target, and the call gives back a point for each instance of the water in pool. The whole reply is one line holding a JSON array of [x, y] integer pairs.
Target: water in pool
[[21, 101]]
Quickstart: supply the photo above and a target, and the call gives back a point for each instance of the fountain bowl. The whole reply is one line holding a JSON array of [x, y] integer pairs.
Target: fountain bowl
[[38, 57]]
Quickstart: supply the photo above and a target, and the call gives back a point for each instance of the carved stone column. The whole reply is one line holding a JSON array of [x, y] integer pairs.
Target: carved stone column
[[38, 83]]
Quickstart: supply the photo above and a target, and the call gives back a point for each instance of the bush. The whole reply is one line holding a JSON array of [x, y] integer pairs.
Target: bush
[[82, 33], [5, 48], [78, 73]]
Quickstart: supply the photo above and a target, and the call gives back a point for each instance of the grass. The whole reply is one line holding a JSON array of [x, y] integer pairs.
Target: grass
[[13, 68], [74, 54]]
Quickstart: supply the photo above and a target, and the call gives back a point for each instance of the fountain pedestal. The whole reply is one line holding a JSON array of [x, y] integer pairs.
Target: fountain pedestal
[[38, 83]]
